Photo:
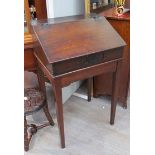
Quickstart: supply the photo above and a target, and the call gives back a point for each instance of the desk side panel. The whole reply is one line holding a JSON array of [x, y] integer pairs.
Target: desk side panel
[[39, 51], [88, 72]]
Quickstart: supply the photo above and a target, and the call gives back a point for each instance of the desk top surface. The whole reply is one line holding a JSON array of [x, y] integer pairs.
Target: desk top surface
[[65, 39]]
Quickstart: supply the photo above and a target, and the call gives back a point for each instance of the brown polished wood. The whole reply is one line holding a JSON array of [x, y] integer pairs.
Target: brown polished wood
[[89, 88], [29, 60], [75, 50], [41, 10], [41, 13], [103, 83], [27, 13]]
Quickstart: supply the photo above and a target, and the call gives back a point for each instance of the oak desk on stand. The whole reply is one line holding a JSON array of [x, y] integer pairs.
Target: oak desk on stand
[[74, 50]]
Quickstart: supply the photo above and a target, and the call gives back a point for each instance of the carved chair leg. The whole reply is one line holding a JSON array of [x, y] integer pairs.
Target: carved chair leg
[[48, 116], [26, 141]]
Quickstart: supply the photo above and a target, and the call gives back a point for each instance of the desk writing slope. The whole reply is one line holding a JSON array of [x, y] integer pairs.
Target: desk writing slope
[[69, 46]]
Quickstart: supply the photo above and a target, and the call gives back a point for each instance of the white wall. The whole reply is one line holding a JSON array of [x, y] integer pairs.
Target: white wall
[[68, 7], [106, 1], [50, 10], [61, 8]]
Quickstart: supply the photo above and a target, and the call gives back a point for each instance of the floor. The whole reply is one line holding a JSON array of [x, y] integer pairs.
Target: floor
[[87, 129]]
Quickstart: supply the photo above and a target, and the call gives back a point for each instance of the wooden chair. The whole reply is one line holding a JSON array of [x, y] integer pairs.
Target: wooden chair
[[34, 100]]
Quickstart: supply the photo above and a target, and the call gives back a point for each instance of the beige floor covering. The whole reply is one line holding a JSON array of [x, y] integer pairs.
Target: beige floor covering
[[87, 129]]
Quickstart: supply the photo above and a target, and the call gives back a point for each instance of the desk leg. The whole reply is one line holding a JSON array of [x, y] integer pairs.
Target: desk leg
[[114, 95], [89, 86], [59, 112]]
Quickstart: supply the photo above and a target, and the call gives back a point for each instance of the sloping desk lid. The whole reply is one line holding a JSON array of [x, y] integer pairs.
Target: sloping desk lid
[[64, 40]]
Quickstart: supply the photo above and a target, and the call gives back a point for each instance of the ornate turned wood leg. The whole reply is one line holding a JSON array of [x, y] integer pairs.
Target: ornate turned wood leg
[[26, 141], [41, 80], [47, 114], [114, 96], [59, 112], [89, 84]]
